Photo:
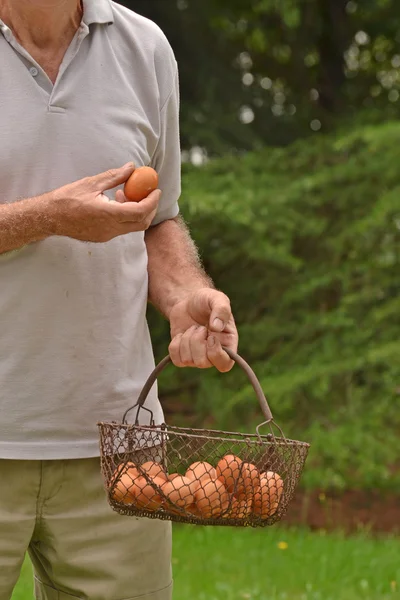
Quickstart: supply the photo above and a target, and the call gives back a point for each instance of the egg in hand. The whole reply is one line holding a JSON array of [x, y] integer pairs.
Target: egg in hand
[[141, 183]]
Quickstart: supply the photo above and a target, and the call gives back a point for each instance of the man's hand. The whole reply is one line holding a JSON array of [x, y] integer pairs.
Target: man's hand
[[200, 325], [82, 211]]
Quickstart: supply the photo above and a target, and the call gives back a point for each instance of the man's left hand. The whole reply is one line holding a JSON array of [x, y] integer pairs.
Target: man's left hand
[[200, 325]]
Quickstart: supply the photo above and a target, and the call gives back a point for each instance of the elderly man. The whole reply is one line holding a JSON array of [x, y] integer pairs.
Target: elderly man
[[85, 88]]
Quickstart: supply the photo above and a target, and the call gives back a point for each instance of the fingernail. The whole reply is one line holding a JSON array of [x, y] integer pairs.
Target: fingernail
[[129, 164], [211, 341], [218, 324]]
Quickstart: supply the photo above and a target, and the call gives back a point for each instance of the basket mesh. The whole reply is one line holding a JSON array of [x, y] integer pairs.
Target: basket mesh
[[199, 476]]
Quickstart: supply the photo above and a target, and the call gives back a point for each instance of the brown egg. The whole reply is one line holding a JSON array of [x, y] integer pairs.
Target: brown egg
[[211, 498], [228, 471], [154, 469], [248, 482], [124, 467], [122, 492], [268, 495], [173, 476], [145, 495], [140, 184], [192, 510], [240, 509], [180, 491], [201, 470]]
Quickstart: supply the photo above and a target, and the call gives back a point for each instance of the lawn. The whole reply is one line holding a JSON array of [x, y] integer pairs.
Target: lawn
[[276, 564]]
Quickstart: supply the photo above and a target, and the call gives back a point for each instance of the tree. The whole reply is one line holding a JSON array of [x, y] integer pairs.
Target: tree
[[257, 72], [305, 240]]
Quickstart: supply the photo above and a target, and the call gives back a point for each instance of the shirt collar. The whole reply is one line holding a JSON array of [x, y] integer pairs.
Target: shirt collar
[[94, 11], [97, 11]]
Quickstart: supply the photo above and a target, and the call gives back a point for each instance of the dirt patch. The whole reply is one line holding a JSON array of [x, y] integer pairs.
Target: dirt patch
[[350, 511]]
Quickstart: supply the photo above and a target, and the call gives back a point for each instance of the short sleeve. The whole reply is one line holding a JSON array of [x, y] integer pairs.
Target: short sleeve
[[166, 159]]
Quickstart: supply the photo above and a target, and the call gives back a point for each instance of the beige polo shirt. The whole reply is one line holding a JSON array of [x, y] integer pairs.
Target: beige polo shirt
[[74, 342]]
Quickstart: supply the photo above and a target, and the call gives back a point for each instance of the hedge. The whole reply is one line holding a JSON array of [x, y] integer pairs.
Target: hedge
[[306, 242]]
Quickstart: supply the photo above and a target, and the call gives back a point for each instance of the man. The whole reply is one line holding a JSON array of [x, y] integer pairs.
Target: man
[[86, 88]]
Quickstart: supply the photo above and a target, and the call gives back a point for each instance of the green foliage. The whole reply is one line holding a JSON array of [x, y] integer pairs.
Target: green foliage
[[256, 72], [306, 242]]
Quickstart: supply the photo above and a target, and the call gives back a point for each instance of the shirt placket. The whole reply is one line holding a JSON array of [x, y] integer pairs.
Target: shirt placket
[[35, 68]]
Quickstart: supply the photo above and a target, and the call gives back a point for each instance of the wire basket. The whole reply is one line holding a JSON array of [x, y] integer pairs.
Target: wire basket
[[200, 476]]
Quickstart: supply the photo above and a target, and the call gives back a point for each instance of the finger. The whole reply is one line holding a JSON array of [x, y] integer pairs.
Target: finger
[[217, 356], [111, 178], [174, 351], [221, 311], [229, 337], [134, 227], [185, 349], [149, 219], [120, 197], [135, 211], [139, 225], [124, 228], [198, 348]]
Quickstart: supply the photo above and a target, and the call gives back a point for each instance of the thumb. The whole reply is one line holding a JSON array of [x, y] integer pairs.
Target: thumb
[[221, 312], [113, 177]]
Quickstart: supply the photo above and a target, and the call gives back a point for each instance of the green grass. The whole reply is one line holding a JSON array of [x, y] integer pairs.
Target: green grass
[[277, 564], [24, 589]]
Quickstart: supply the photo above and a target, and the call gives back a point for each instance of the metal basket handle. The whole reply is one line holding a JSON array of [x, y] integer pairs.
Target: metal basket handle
[[238, 359]]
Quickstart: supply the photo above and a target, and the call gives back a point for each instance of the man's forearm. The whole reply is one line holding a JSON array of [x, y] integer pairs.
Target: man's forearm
[[23, 222], [174, 266]]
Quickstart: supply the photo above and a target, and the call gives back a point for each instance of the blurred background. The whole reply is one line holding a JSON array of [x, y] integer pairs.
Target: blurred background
[[291, 187]]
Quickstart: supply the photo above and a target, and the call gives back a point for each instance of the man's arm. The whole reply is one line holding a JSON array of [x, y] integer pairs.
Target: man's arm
[[23, 222], [174, 266], [200, 316], [78, 210]]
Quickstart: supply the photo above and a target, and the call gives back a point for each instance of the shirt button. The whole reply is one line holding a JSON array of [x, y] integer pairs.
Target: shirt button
[[33, 71]]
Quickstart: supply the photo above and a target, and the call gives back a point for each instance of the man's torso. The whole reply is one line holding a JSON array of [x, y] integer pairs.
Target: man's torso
[[75, 347]]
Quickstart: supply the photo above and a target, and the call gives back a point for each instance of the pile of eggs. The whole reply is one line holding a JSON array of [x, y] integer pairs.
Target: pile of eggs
[[233, 489]]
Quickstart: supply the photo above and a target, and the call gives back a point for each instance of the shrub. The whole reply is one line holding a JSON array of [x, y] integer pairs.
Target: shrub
[[306, 242]]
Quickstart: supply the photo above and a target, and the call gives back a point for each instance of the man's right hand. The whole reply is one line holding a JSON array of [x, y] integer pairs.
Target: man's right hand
[[82, 211]]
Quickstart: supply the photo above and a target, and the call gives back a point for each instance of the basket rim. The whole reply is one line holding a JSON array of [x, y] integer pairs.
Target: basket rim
[[192, 519], [202, 433]]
